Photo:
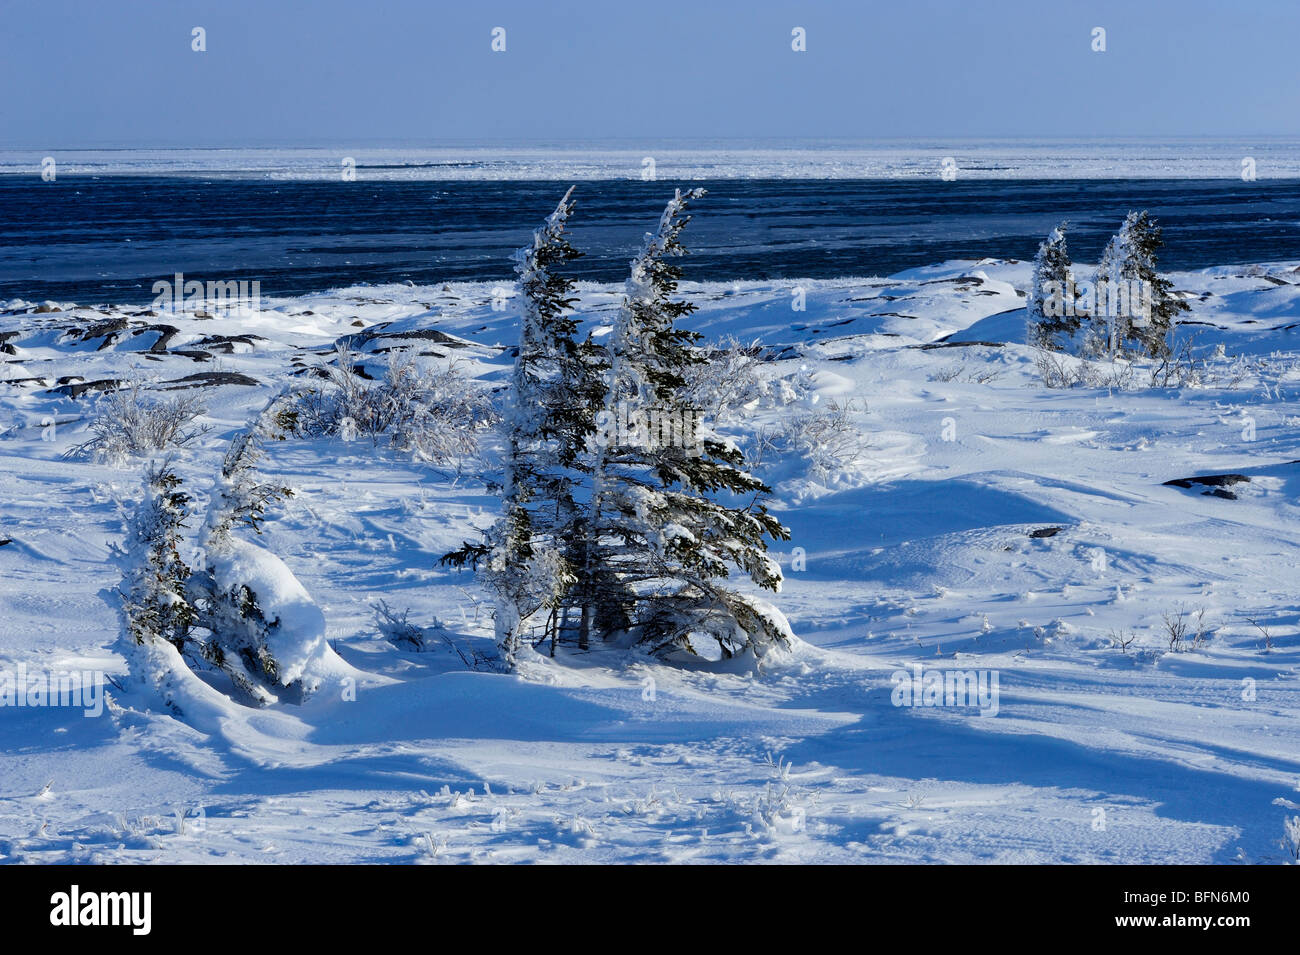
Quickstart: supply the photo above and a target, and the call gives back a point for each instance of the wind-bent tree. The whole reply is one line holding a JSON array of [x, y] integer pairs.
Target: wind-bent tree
[[527, 557], [1136, 308], [668, 520], [1049, 307]]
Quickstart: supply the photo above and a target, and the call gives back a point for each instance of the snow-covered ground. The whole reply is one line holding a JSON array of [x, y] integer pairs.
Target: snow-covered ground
[[934, 548]]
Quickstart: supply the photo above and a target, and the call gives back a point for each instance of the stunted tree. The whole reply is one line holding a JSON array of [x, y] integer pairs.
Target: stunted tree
[[241, 494], [1049, 306], [669, 519], [156, 608], [527, 558], [156, 612], [1136, 309]]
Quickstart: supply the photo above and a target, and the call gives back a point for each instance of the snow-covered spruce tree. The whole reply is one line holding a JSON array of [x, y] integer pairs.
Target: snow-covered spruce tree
[[156, 613], [1136, 309], [527, 558], [1109, 326], [266, 633], [662, 538], [1050, 291]]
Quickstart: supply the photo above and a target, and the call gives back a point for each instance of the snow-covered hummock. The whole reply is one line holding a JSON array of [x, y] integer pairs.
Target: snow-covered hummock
[[295, 632]]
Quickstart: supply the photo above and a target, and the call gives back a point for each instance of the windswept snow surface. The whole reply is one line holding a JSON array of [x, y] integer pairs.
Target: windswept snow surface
[[990, 526]]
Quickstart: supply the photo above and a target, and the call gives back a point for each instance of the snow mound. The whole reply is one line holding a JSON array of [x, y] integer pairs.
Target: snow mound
[[295, 625]]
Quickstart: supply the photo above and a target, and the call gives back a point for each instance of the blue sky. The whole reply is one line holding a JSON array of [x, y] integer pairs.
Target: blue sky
[[91, 72]]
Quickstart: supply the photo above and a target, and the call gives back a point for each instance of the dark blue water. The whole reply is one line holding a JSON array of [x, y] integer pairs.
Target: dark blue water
[[109, 239]]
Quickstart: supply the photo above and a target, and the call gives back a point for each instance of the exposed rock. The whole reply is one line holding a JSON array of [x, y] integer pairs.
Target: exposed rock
[[360, 340], [165, 334], [109, 330], [1209, 480], [226, 343], [43, 382], [1217, 484], [206, 379], [77, 389], [947, 344]]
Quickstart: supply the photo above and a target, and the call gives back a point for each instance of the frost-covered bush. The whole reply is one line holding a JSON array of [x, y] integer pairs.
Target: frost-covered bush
[[1187, 631], [1057, 370], [827, 438], [397, 628], [130, 422], [1176, 369], [960, 371], [730, 382], [436, 414]]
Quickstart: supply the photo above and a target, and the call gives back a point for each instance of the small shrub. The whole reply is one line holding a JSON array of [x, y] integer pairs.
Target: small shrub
[[828, 439], [399, 631], [731, 382], [1122, 639], [128, 422], [728, 381], [1057, 370], [959, 371], [1267, 634], [1186, 633], [437, 415], [1179, 369]]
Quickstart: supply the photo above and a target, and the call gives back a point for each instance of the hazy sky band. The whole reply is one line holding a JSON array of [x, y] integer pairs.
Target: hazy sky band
[[86, 72]]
